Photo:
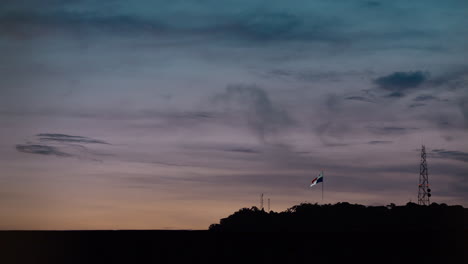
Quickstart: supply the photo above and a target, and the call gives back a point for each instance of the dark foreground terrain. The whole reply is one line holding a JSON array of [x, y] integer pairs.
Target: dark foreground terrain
[[344, 217], [347, 243]]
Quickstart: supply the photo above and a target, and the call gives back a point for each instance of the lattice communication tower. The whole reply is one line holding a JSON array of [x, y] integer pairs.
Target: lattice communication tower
[[424, 192]]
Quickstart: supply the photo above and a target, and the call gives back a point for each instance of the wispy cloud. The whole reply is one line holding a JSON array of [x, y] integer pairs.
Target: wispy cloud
[[68, 138], [425, 97], [359, 98], [41, 150], [390, 129], [452, 79], [450, 154], [464, 108], [243, 150], [416, 105], [263, 116], [207, 19], [61, 145], [376, 142]]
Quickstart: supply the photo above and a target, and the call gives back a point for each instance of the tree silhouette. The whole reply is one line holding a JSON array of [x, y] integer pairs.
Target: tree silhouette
[[347, 217]]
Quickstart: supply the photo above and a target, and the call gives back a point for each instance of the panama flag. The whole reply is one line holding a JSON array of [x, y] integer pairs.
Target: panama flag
[[318, 179]]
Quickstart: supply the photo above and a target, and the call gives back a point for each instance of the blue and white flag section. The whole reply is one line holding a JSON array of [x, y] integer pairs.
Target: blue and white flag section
[[318, 179]]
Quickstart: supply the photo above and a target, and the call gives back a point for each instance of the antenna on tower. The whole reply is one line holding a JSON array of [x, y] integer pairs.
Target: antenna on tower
[[261, 202], [268, 204], [424, 192]]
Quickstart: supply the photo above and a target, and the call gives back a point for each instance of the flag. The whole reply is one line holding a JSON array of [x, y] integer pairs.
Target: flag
[[317, 180]]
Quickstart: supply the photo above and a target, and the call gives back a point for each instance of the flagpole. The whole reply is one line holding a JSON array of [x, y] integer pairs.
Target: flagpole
[[323, 183]]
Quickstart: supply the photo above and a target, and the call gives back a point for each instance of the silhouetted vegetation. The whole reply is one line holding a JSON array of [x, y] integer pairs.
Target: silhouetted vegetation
[[392, 234], [348, 217]]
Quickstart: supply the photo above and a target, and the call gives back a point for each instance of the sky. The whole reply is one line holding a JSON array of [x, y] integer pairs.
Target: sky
[[172, 114]]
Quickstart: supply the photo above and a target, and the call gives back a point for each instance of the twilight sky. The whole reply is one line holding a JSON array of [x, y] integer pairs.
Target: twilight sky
[[172, 114]]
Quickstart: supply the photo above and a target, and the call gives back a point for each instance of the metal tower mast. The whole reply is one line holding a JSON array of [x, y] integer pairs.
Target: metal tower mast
[[424, 191], [268, 204], [261, 201]]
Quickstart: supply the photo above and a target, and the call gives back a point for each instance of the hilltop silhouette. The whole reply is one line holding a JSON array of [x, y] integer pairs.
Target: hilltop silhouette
[[348, 217], [339, 233]]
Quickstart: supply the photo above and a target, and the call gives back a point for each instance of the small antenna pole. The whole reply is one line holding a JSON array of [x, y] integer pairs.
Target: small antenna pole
[[323, 185], [261, 201]]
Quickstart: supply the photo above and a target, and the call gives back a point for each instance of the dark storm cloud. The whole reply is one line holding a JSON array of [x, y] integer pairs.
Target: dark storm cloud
[[262, 114], [41, 149], [398, 83], [450, 154], [69, 139], [375, 142]]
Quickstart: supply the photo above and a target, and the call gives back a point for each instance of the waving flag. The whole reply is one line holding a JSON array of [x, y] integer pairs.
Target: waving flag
[[318, 179]]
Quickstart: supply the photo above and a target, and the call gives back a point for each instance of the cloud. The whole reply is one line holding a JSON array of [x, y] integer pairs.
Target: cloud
[[375, 142], [331, 133], [332, 101], [314, 76], [390, 129], [400, 82], [203, 19], [41, 149], [425, 97], [464, 108], [450, 154], [30, 22], [359, 98], [227, 147], [395, 95], [243, 150], [453, 79], [68, 138], [416, 105], [428, 97], [62, 145], [263, 116]]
